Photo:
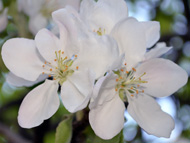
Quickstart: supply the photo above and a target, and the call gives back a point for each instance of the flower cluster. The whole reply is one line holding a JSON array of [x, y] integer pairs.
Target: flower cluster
[[101, 58]]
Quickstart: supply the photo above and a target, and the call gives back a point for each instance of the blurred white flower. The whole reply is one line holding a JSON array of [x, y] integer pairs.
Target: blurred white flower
[[39, 12], [3, 17]]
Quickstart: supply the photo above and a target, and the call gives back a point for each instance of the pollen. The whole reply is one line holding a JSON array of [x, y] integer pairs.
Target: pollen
[[134, 69]]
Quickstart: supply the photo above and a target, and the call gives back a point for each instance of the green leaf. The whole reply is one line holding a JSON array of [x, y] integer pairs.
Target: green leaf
[[64, 131]]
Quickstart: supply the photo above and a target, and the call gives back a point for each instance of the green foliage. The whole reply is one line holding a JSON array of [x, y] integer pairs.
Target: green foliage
[[64, 131], [92, 138]]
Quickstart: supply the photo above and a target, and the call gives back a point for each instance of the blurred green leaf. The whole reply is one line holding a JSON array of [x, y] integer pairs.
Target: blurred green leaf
[[64, 131]]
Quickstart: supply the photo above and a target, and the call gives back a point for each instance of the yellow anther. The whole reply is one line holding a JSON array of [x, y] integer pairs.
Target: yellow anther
[[116, 89], [54, 79], [62, 52], [77, 68], [140, 79], [142, 91], [43, 66], [134, 69], [125, 64], [50, 69], [132, 87], [132, 95], [122, 70], [127, 72], [43, 72], [117, 80], [75, 56], [59, 51], [56, 67], [137, 91], [55, 60], [45, 62]]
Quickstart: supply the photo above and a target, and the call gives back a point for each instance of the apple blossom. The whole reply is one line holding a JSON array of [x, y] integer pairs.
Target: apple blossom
[[73, 66], [39, 11], [154, 77]]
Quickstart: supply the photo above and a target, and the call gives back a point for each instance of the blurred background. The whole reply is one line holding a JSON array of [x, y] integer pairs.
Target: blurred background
[[16, 20]]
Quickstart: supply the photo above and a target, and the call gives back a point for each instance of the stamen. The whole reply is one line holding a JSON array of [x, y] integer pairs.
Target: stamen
[[134, 69], [49, 75], [122, 70], [132, 95], [137, 91], [77, 67], [116, 89], [50, 69], [127, 72], [117, 79]]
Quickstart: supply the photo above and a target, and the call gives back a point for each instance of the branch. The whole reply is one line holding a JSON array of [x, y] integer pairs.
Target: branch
[[11, 136]]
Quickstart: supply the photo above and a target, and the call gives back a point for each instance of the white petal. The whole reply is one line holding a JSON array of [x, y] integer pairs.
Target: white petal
[[77, 89], [131, 39], [157, 51], [103, 14], [29, 7], [99, 54], [47, 43], [36, 23], [152, 29], [3, 20], [148, 114], [19, 82], [104, 90], [164, 77], [107, 119], [22, 58], [39, 104], [74, 27], [73, 3]]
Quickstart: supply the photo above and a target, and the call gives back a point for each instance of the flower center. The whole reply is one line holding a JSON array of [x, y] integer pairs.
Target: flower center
[[128, 84], [61, 68], [100, 31]]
